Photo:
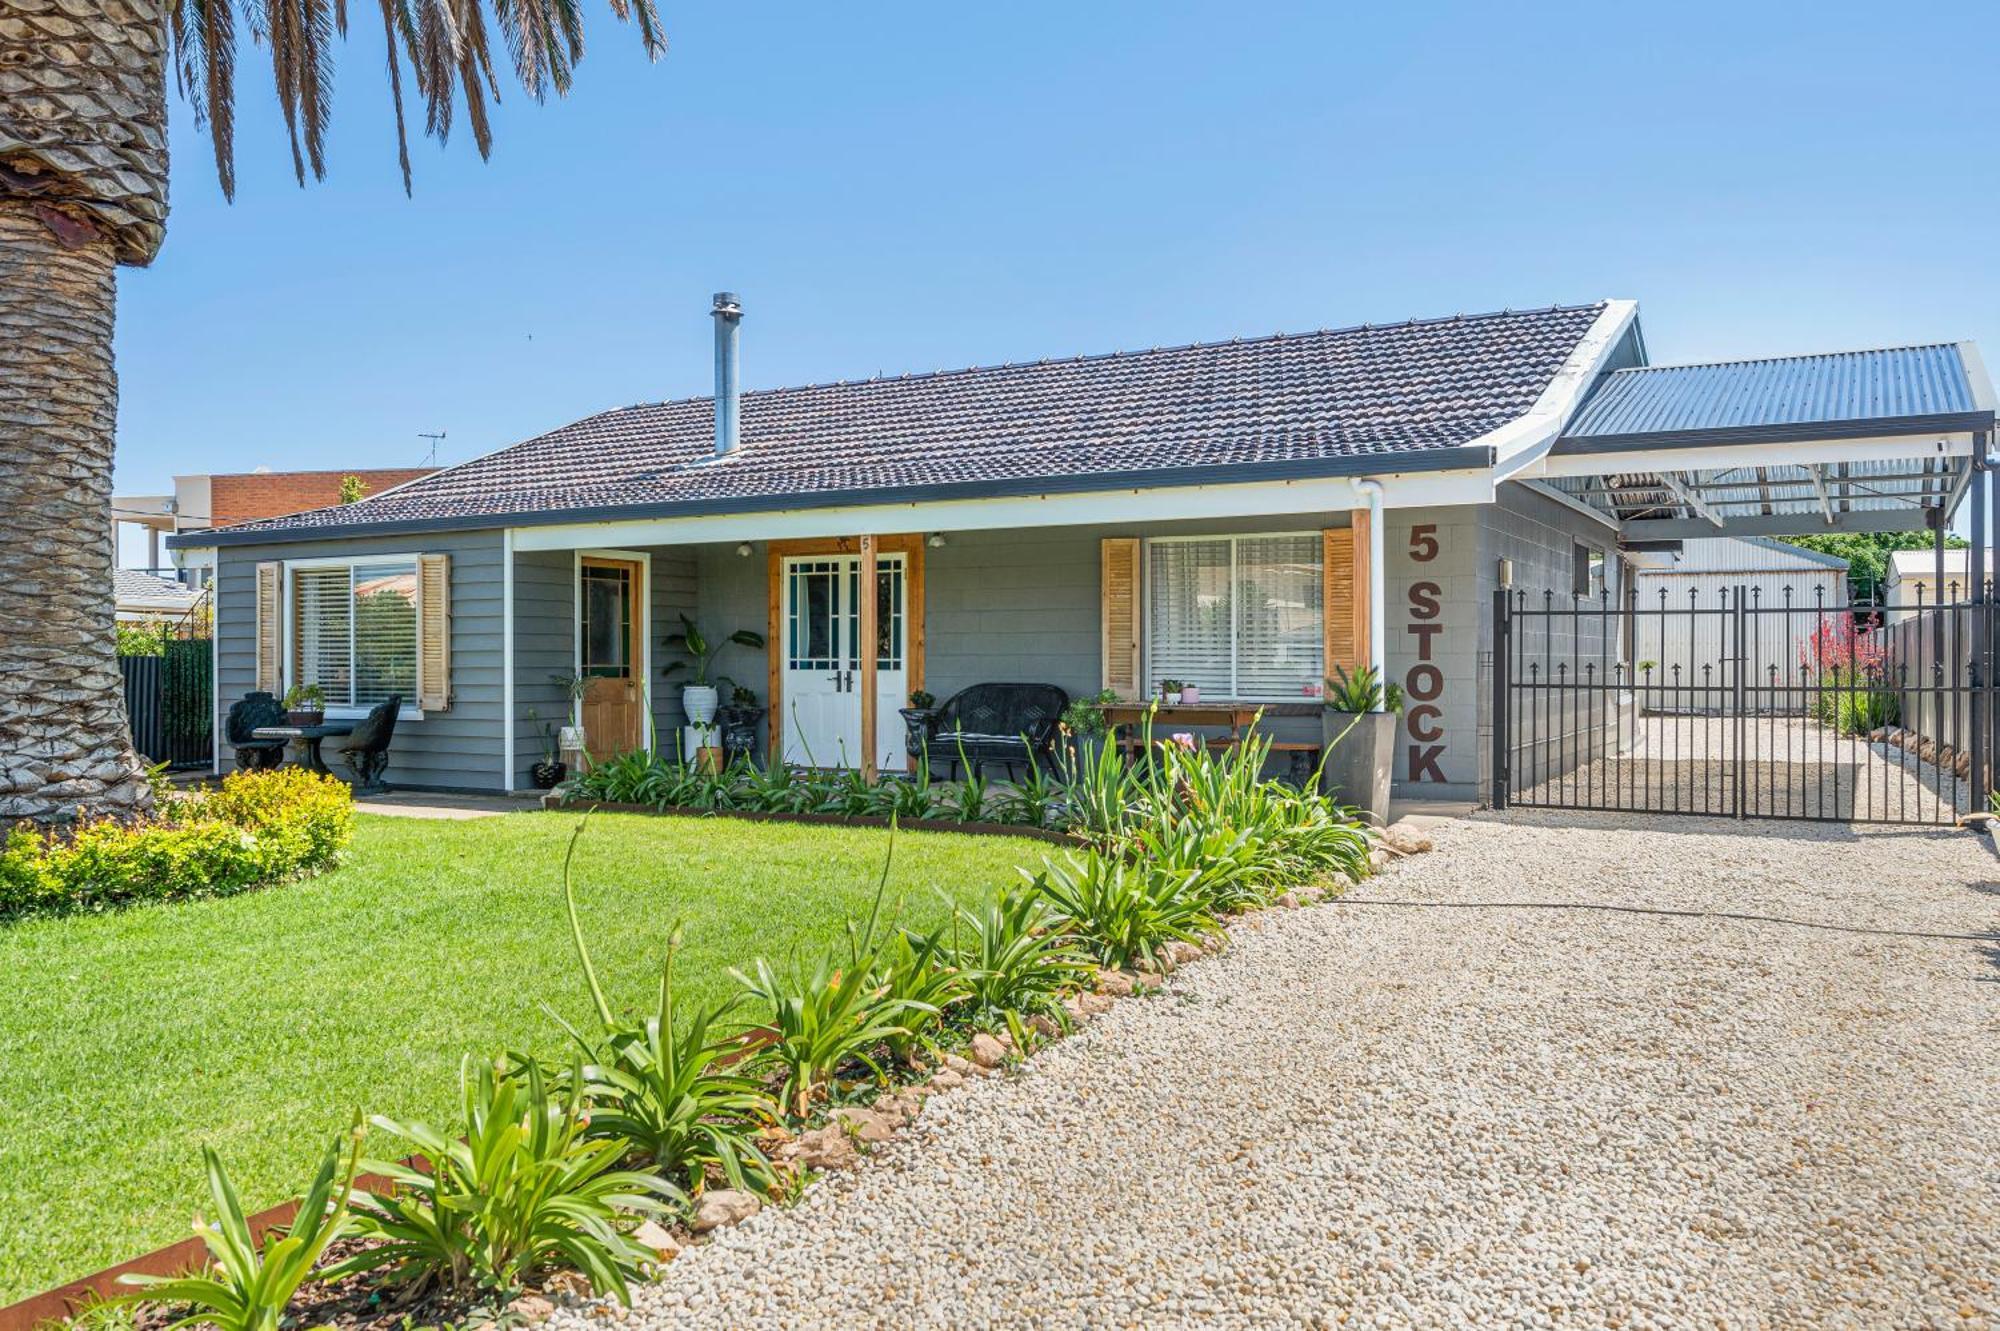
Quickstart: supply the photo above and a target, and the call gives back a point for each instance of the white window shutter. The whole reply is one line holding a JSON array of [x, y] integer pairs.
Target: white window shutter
[[1119, 609], [270, 595], [434, 635]]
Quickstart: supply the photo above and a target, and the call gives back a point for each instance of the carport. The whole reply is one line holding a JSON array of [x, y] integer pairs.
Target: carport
[[1890, 726]]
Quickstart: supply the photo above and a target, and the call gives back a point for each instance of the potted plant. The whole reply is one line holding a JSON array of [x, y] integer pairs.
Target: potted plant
[[1190, 695], [917, 718], [305, 705], [549, 772], [699, 698], [1170, 691], [739, 721], [1358, 729], [571, 738], [1083, 721]]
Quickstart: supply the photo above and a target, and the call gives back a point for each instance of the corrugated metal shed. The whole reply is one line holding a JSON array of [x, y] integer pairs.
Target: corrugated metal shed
[[1836, 395], [1747, 554]]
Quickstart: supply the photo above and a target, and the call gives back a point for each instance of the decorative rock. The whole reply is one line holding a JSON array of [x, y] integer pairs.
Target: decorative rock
[[945, 1079], [1406, 838], [654, 1238], [827, 1148], [1116, 983], [531, 1308], [865, 1125], [1289, 900], [988, 1052], [724, 1206], [1042, 1024], [1181, 952], [1378, 860]]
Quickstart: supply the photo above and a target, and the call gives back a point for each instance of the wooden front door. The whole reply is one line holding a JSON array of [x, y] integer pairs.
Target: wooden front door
[[611, 655]]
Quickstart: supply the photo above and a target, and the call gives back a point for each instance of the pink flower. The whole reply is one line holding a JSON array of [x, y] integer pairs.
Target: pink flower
[[1184, 738]]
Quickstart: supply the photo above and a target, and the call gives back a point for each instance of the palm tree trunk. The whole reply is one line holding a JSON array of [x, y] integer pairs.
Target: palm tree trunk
[[65, 747]]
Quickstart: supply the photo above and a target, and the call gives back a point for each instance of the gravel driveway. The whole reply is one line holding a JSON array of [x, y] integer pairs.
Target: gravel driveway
[[1385, 1115]]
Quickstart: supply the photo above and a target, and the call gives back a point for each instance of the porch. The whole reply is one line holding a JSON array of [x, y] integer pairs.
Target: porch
[[1250, 610]]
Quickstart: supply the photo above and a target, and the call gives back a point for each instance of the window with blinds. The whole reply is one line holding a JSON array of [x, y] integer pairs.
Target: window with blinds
[[354, 632], [1236, 616]]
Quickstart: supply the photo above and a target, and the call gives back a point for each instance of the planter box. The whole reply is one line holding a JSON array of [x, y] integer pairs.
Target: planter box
[[1357, 761]]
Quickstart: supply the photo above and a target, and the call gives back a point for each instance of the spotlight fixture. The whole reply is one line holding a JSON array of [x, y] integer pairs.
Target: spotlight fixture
[[743, 549], [936, 541]]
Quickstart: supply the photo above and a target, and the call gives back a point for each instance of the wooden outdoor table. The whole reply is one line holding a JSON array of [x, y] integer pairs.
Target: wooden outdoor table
[[307, 738], [1236, 717]]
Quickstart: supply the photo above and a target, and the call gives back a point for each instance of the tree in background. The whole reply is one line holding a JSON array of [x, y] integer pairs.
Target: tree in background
[[352, 490], [1867, 555], [83, 189]]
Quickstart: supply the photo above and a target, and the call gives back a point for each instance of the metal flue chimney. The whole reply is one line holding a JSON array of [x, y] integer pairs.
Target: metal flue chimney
[[728, 313]]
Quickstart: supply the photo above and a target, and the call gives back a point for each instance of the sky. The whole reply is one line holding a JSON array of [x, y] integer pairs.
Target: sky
[[895, 188]]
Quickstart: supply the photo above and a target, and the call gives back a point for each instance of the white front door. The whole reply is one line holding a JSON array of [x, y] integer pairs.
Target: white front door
[[822, 661]]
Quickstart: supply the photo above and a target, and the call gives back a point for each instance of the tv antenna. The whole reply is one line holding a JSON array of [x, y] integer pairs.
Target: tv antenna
[[430, 459]]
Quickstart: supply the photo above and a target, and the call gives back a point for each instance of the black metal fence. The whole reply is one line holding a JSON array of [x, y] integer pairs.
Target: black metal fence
[[170, 702], [1742, 701]]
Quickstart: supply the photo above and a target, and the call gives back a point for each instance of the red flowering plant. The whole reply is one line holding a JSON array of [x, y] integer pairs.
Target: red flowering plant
[[1846, 665]]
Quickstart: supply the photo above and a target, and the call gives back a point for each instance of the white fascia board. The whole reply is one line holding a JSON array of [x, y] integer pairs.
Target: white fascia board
[[1167, 503], [1723, 457], [1522, 442]]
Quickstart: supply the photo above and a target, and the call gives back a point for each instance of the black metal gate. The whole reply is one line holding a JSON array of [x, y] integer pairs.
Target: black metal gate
[[1742, 701], [170, 703]]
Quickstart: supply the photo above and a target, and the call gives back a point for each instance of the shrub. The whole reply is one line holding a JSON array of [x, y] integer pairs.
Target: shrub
[[258, 828], [245, 1289], [1015, 956], [517, 1187], [921, 973], [663, 1083], [1125, 913]]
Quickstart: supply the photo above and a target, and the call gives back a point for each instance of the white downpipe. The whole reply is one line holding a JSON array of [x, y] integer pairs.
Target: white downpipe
[[507, 659], [1370, 490]]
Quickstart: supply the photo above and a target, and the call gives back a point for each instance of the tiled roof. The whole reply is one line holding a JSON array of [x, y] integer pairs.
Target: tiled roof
[[1314, 402], [131, 584]]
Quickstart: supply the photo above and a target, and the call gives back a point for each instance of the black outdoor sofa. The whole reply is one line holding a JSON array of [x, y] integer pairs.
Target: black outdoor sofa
[[993, 725]]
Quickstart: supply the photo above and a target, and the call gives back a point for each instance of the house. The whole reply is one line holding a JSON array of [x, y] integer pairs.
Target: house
[[1912, 581], [1241, 515], [1669, 644], [199, 502], [142, 598]]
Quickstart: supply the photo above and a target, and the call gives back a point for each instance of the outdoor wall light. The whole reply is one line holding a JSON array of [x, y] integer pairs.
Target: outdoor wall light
[[743, 549], [1506, 573], [936, 541]]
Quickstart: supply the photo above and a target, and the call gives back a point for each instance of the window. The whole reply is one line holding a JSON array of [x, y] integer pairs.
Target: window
[[354, 631], [1586, 570], [1236, 616]]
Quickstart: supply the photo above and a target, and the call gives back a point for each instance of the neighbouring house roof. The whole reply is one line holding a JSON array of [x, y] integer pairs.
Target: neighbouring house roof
[[1886, 390], [131, 585], [1406, 396], [1923, 563]]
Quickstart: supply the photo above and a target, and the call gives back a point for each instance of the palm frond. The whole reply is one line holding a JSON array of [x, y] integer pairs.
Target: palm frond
[[204, 37]]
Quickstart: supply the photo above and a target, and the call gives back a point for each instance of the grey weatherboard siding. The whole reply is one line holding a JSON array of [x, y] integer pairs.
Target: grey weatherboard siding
[[459, 748]]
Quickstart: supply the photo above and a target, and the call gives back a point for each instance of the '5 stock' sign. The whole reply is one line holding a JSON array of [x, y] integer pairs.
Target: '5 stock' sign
[[1423, 683]]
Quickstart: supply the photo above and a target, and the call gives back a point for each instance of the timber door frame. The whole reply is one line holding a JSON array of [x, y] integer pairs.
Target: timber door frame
[[642, 627], [910, 545]]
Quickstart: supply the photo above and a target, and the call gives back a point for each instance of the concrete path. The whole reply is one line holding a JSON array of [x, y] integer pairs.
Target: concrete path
[[1686, 1073]]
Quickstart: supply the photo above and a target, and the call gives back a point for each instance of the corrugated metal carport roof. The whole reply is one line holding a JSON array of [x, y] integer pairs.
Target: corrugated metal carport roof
[[1840, 395], [1748, 429]]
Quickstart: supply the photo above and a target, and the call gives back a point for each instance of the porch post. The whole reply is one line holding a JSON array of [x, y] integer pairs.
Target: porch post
[[865, 649], [507, 723]]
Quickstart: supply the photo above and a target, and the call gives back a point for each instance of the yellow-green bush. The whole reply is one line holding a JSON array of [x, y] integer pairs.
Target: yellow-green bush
[[257, 828]]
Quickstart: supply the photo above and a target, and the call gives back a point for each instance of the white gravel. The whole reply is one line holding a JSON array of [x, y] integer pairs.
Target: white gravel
[[1375, 1115]]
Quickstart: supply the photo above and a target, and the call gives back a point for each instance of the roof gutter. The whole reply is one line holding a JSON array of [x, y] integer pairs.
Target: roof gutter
[[1462, 457]]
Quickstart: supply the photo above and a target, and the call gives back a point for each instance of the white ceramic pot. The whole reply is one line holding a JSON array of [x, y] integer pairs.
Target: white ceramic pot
[[699, 701], [1190, 694], [1173, 699]]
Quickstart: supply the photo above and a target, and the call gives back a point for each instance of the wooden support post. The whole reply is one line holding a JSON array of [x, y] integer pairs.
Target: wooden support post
[[865, 649], [1364, 583]]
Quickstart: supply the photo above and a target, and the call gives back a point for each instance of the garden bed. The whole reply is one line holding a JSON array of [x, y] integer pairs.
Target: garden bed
[[557, 801]]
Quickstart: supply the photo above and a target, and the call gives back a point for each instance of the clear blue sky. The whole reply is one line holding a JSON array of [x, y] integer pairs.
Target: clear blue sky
[[906, 187]]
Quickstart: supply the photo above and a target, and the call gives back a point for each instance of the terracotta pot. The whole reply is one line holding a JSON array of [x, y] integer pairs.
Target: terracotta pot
[[302, 717], [708, 759]]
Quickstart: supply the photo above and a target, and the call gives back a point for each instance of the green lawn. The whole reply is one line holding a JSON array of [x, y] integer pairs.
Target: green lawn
[[259, 1024]]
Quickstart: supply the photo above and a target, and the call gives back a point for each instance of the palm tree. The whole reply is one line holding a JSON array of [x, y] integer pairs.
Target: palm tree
[[83, 189]]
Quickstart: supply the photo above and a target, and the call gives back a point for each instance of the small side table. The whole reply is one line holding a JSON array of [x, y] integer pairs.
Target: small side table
[[307, 739]]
